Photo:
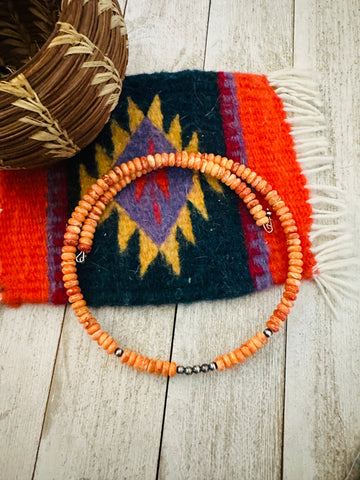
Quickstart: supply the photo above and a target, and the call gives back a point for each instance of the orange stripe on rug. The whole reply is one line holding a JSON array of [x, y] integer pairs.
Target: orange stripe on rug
[[23, 267], [268, 143]]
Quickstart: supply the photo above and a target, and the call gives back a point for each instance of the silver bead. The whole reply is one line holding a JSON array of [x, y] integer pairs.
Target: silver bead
[[267, 332], [188, 370], [204, 367], [118, 352], [196, 369], [212, 366], [180, 369]]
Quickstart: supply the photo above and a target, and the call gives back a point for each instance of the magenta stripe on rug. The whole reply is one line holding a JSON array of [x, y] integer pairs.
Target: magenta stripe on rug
[[55, 227], [257, 249]]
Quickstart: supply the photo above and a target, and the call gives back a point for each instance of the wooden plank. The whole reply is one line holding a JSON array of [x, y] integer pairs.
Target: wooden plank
[[247, 36], [28, 343], [107, 413], [229, 424], [224, 424], [165, 35], [103, 418], [322, 419]]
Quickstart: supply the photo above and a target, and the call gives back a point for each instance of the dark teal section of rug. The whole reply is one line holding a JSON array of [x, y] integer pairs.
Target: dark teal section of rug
[[212, 268], [200, 219]]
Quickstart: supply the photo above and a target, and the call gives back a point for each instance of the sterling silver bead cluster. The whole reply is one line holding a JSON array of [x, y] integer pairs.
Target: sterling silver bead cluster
[[206, 367]]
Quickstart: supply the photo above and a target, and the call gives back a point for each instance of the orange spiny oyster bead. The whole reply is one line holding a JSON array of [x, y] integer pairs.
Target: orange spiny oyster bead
[[165, 159], [93, 328], [86, 234], [108, 341], [256, 208], [138, 165], [68, 249], [151, 161], [191, 160], [69, 276], [220, 363], [132, 169], [71, 283], [158, 366], [172, 369], [68, 256], [112, 347], [132, 358], [233, 358], [227, 361], [96, 335], [287, 302], [228, 164], [165, 368], [262, 337], [280, 314], [125, 356], [145, 364], [239, 170], [251, 346], [171, 159], [274, 323], [245, 351], [239, 355], [251, 177], [231, 180], [73, 291], [245, 173], [226, 175], [101, 338], [184, 159], [86, 319], [81, 311], [68, 268], [84, 248], [75, 297], [290, 295], [139, 362], [73, 221], [152, 365]]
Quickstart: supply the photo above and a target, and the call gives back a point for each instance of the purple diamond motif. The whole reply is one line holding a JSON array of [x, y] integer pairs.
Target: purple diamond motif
[[155, 200]]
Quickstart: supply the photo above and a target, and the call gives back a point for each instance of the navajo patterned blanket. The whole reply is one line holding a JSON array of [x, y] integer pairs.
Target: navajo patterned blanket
[[173, 235]]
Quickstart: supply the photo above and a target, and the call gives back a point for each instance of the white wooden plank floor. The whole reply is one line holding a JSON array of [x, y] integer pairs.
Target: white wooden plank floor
[[67, 411]]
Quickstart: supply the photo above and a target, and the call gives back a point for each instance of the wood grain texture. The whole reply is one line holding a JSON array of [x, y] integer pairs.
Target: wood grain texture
[[166, 35], [247, 36], [103, 418], [322, 420], [215, 427], [224, 424], [28, 343], [292, 411]]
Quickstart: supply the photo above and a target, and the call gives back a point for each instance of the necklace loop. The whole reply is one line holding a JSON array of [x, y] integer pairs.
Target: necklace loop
[[245, 182]]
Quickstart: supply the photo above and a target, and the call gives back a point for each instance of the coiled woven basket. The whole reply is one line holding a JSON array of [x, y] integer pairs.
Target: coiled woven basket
[[61, 71]]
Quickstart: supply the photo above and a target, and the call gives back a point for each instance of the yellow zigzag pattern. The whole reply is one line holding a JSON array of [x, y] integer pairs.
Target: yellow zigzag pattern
[[148, 249]]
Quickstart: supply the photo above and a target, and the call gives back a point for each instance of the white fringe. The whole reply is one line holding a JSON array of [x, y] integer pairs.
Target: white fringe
[[331, 233]]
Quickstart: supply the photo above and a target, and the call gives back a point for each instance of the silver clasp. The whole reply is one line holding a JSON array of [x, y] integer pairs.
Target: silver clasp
[[80, 257], [268, 227]]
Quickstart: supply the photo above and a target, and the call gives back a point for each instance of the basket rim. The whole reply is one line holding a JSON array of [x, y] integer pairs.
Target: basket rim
[[33, 60]]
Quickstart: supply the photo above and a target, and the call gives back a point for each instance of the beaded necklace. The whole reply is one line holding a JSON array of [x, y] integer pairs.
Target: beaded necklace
[[245, 182]]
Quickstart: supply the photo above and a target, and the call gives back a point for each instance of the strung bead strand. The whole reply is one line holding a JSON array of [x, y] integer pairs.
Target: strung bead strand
[[245, 182]]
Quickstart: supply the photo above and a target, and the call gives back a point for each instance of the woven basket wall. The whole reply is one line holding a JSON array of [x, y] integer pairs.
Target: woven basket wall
[[61, 71]]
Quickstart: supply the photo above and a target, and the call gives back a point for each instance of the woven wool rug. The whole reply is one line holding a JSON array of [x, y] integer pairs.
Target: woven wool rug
[[175, 235]]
